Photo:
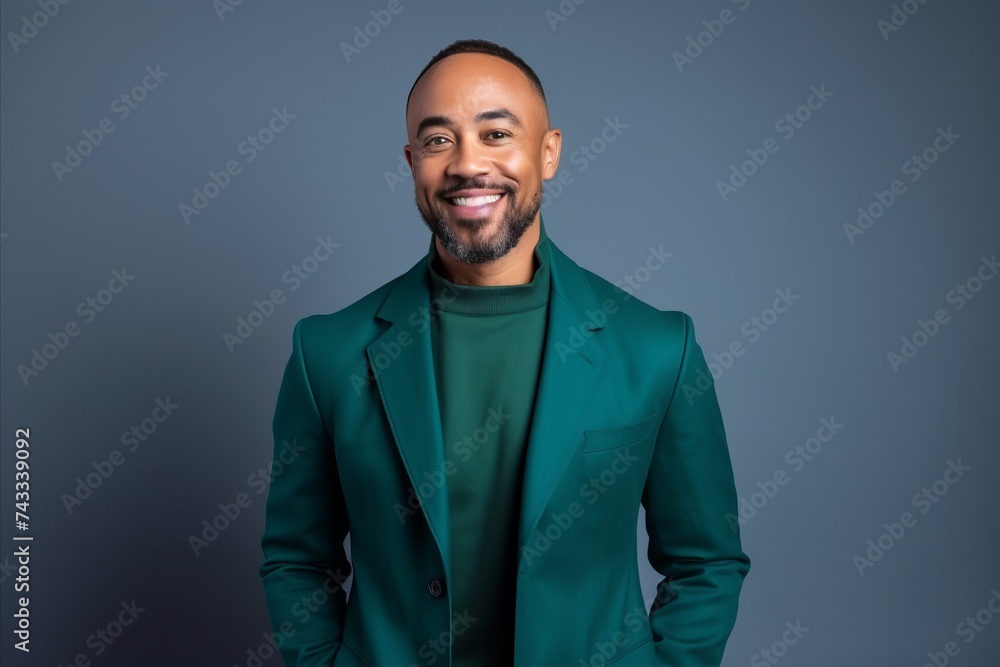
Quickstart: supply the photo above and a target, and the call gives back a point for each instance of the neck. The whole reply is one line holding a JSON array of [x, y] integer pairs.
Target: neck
[[515, 268]]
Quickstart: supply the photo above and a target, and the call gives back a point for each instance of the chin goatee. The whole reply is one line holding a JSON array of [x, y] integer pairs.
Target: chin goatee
[[513, 224]]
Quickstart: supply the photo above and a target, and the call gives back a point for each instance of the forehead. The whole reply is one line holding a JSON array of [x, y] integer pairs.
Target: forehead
[[462, 85]]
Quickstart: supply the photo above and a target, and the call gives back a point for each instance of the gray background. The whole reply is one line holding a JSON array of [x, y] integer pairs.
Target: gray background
[[325, 175]]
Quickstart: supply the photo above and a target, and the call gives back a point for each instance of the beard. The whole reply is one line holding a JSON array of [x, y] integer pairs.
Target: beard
[[514, 221]]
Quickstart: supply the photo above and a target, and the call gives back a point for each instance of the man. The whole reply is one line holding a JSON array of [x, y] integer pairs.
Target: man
[[486, 426]]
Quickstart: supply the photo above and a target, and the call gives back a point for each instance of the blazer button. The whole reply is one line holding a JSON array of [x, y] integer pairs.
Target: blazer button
[[434, 587]]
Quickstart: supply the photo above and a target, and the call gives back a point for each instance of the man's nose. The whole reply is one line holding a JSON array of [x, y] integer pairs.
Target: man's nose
[[469, 159]]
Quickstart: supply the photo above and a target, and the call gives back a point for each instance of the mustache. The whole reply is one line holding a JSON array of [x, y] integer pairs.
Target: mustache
[[475, 185]]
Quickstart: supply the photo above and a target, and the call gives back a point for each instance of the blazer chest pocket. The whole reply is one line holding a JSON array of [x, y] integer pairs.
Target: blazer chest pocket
[[605, 439]]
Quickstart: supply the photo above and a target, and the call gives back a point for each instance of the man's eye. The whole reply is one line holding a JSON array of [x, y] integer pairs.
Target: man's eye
[[432, 141], [502, 134]]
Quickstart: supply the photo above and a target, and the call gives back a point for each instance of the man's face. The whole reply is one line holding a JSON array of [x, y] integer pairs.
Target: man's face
[[479, 149]]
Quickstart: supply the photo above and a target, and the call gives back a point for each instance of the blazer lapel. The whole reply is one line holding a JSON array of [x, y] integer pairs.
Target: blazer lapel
[[408, 387], [572, 365]]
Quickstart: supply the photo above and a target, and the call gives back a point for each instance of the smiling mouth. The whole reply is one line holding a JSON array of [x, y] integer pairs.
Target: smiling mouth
[[475, 201]]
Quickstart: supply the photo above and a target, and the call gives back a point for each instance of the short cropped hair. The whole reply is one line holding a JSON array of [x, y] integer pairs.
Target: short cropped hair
[[489, 48]]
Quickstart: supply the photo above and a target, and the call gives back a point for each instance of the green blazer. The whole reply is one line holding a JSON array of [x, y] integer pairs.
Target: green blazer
[[626, 413]]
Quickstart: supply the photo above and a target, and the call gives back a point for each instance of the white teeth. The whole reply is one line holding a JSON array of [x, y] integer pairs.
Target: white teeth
[[475, 201]]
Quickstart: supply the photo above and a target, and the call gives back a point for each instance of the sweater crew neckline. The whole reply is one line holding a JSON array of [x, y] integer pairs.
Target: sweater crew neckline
[[486, 300]]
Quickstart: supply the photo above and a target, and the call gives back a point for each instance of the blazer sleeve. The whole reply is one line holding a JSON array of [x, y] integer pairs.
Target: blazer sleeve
[[305, 564], [694, 541]]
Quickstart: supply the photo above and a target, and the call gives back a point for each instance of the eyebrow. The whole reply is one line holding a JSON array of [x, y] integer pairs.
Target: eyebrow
[[501, 113]]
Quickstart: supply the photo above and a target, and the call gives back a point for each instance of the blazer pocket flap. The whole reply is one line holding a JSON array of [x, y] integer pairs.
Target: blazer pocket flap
[[619, 436]]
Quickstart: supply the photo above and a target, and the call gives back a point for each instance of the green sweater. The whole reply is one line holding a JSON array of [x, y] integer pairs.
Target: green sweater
[[487, 344]]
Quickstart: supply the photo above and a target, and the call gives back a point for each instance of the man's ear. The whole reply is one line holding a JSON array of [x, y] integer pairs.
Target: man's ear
[[408, 154], [551, 150]]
